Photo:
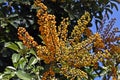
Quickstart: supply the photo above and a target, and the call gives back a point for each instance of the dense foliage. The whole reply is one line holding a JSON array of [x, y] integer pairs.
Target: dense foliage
[[51, 40]]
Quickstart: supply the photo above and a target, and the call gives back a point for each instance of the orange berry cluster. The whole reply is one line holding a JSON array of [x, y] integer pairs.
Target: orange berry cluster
[[28, 40], [48, 75], [48, 32], [70, 51]]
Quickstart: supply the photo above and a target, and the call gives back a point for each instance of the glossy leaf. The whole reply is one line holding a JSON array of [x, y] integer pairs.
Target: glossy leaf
[[10, 68], [22, 63], [23, 75], [32, 52], [12, 46], [20, 44], [15, 58], [32, 61]]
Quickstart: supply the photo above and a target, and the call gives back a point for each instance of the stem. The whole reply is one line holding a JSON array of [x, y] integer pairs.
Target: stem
[[38, 76]]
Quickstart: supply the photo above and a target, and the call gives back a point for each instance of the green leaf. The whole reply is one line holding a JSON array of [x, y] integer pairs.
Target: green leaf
[[20, 44], [40, 67], [15, 58], [57, 70], [22, 63], [12, 46], [12, 23], [23, 75], [114, 5], [10, 68], [12, 16], [37, 69], [23, 51], [109, 10], [3, 25], [2, 1], [40, 36], [32, 51], [32, 61], [12, 74]]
